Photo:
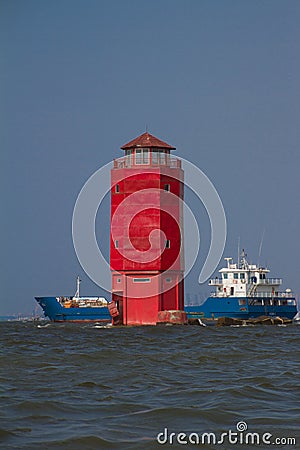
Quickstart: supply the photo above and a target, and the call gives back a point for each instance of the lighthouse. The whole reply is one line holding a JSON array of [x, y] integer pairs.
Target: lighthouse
[[146, 233]]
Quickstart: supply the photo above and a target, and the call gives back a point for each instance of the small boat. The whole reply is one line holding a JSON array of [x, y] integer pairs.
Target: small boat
[[75, 308], [243, 291], [296, 319]]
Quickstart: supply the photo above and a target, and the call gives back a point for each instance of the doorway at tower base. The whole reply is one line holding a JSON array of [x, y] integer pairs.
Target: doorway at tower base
[[175, 317]]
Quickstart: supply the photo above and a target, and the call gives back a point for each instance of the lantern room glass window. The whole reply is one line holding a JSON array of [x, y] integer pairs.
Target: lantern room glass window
[[162, 158], [154, 157], [142, 156], [145, 152], [128, 154], [138, 156]]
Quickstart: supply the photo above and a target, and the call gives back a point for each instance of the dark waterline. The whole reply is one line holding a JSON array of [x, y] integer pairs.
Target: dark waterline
[[75, 386]]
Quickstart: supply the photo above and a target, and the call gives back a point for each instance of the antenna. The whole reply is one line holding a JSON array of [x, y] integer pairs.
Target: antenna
[[146, 128], [260, 246], [238, 259]]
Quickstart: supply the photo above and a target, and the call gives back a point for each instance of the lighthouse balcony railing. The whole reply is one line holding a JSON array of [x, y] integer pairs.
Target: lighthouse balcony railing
[[128, 162]]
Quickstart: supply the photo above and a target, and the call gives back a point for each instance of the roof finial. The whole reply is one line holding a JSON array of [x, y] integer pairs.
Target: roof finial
[[146, 128]]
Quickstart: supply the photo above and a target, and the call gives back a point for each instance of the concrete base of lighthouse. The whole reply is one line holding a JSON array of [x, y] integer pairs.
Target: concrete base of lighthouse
[[175, 317]]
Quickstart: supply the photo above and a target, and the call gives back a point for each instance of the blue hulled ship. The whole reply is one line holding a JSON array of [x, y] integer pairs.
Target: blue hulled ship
[[75, 308], [244, 291]]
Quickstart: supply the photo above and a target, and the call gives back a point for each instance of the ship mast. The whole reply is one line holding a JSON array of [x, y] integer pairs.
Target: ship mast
[[78, 281], [244, 262]]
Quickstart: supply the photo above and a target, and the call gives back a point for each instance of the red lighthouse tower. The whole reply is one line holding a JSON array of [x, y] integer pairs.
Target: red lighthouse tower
[[146, 247]]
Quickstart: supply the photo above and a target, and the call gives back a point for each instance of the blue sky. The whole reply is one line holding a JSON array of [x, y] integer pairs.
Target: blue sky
[[219, 80]]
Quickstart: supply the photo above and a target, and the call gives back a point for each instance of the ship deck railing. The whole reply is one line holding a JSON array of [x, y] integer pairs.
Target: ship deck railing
[[271, 281], [287, 295], [268, 281], [215, 282], [271, 294]]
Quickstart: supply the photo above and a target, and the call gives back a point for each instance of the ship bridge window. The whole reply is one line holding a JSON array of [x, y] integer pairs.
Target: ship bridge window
[[242, 276], [262, 276], [236, 276], [225, 276]]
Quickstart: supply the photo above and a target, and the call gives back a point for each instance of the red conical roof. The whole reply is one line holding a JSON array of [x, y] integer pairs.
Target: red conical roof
[[147, 140]]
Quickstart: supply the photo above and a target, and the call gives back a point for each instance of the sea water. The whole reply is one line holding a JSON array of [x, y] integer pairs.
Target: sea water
[[80, 386]]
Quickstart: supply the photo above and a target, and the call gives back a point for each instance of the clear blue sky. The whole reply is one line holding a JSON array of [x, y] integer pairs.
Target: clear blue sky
[[217, 79]]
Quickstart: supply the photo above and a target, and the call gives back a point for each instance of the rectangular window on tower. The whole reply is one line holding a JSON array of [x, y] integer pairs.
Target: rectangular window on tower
[[167, 187], [116, 244], [117, 188], [141, 280], [168, 243]]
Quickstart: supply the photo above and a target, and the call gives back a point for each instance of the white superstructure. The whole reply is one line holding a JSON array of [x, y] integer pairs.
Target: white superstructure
[[247, 280], [81, 302]]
